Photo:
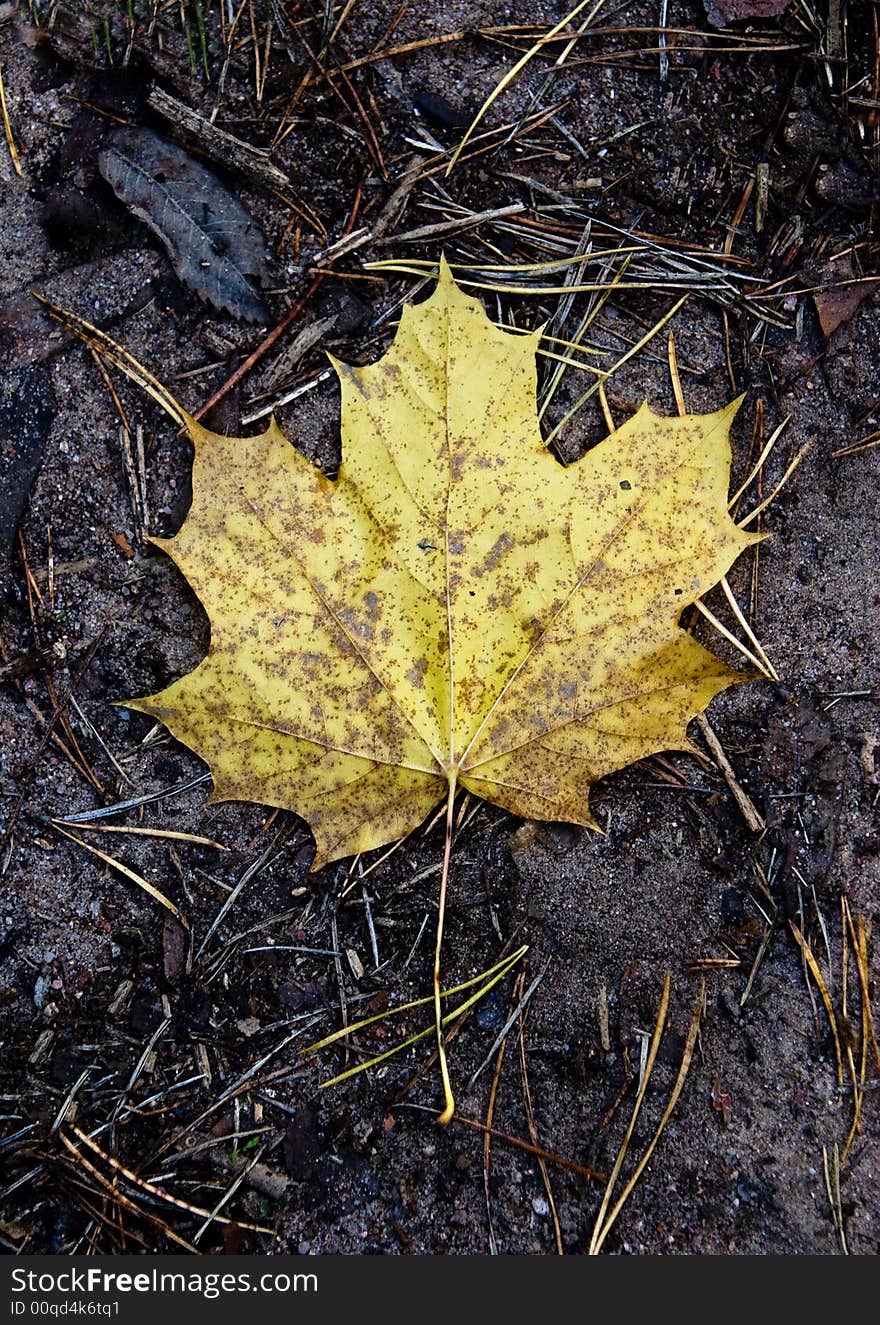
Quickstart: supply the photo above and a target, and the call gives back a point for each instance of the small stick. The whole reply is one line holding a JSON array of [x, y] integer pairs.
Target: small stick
[[521, 1144], [244, 368], [226, 150]]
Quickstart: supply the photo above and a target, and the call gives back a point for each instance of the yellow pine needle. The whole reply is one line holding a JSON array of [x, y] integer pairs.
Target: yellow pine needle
[[855, 935], [764, 664], [831, 1171], [125, 362], [760, 462], [517, 69], [577, 287], [427, 267], [731, 638], [448, 1099], [860, 945], [639, 345], [569, 344], [129, 874], [606, 408], [446, 1020], [600, 1233], [7, 128], [352, 1028], [674, 375], [142, 832], [599, 1226], [738, 613], [586, 323], [779, 486], [569, 362]]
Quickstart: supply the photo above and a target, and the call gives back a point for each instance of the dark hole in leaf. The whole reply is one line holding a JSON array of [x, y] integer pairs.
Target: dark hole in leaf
[[625, 484]]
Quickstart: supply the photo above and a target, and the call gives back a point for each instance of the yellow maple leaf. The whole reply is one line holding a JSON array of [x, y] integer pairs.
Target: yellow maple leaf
[[457, 609]]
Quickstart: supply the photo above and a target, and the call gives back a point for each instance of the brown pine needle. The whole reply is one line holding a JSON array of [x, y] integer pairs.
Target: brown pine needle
[[533, 1126], [864, 444], [487, 1143], [244, 368], [591, 1174], [825, 996], [159, 1192], [112, 1190], [743, 800]]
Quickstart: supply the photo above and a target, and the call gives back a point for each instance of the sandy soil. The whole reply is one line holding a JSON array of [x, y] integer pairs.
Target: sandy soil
[[185, 1068]]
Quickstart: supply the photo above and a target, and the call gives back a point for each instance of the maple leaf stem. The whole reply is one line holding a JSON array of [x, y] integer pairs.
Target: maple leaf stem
[[448, 1099]]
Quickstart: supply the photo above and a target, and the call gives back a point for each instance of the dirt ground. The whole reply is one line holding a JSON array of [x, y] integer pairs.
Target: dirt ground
[[735, 165]]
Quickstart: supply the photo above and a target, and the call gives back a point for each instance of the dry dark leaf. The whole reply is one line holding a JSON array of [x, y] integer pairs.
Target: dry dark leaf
[[214, 243], [175, 948], [722, 12], [26, 415], [841, 293]]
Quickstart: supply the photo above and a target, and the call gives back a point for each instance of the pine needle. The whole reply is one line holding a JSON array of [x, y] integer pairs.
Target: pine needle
[[7, 129]]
